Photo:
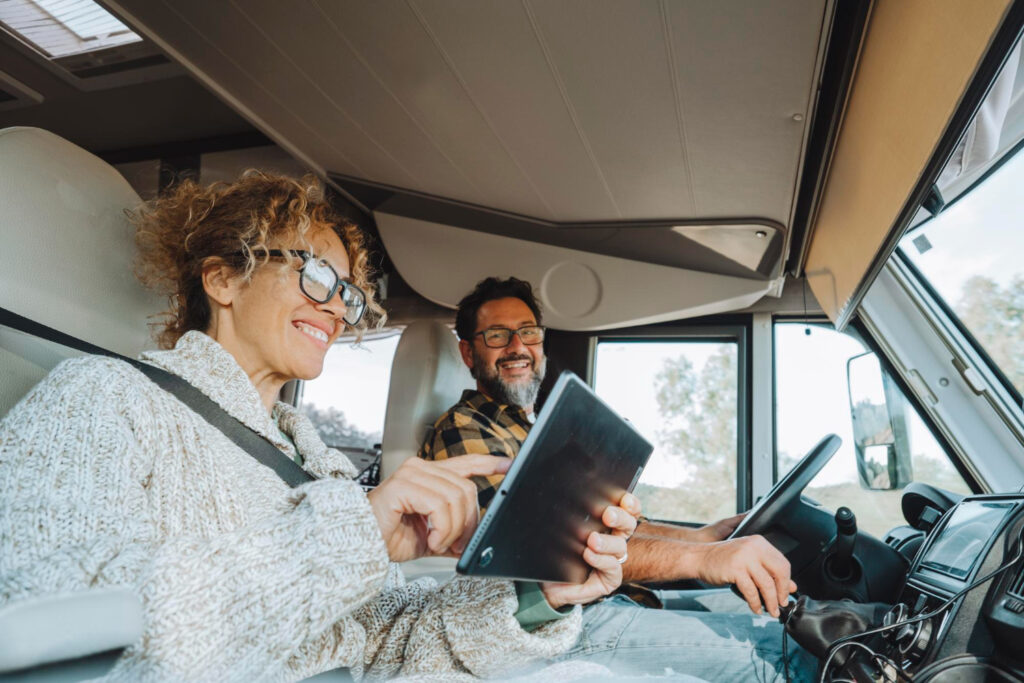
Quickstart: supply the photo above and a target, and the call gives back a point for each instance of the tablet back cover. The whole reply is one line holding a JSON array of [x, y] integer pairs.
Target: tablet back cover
[[579, 458]]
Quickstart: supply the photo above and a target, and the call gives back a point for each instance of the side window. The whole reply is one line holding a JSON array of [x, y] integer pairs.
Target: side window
[[812, 399], [971, 255], [347, 401], [682, 396]]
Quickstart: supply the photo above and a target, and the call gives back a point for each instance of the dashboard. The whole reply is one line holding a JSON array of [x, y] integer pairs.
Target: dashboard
[[960, 613]]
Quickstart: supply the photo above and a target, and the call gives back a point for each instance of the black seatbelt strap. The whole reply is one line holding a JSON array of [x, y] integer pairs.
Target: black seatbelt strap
[[243, 436]]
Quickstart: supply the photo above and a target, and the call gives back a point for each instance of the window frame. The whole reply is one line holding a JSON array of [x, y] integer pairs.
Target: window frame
[[965, 349], [911, 332], [951, 320], [730, 329]]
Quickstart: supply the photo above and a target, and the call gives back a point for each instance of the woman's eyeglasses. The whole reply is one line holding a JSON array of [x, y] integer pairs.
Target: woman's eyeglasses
[[320, 282], [500, 337]]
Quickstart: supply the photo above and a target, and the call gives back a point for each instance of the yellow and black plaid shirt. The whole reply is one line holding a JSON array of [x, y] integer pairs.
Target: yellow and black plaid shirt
[[477, 424]]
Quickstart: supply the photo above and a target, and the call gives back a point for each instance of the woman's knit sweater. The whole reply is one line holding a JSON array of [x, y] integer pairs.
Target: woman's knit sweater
[[105, 479]]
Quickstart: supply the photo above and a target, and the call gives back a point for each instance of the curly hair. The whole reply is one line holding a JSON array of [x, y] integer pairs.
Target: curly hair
[[488, 290], [237, 223]]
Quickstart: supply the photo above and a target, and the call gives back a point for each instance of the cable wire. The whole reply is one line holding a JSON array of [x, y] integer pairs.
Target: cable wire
[[849, 640]]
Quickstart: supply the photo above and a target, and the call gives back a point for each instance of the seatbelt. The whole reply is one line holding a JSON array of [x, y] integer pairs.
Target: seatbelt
[[243, 436]]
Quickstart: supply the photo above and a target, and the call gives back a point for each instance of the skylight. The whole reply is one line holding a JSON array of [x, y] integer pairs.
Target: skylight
[[60, 28]]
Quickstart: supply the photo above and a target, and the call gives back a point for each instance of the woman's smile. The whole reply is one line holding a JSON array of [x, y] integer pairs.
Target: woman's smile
[[315, 331]]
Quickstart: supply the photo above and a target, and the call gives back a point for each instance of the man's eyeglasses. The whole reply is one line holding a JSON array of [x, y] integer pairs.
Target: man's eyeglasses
[[500, 337], [320, 282]]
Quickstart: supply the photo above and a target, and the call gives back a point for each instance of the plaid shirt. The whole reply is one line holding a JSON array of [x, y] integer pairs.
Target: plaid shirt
[[477, 424]]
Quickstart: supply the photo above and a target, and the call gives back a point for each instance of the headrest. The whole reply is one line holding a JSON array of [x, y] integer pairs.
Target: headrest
[[68, 247], [427, 378]]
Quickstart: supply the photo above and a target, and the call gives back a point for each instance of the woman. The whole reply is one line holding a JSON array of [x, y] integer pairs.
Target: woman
[[108, 480]]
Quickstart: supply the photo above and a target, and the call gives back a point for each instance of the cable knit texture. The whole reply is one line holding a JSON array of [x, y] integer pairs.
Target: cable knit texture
[[105, 479]]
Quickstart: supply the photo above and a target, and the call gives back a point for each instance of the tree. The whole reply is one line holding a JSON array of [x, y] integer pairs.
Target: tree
[[699, 412], [995, 316], [335, 429]]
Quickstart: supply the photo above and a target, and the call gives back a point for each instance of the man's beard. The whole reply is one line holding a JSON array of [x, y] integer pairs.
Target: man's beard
[[521, 394]]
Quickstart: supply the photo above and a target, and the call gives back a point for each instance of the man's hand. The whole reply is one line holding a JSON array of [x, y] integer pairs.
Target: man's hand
[[431, 507], [757, 568], [720, 530], [604, 553]]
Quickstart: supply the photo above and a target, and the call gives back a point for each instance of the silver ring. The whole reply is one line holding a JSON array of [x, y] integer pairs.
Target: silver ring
[[625, 556]]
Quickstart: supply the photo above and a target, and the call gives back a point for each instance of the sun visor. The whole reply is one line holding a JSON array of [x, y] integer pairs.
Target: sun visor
[[579, 290], [915, 65]]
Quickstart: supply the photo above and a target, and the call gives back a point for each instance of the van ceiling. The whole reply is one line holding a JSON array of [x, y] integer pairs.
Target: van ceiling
[[581, 110]]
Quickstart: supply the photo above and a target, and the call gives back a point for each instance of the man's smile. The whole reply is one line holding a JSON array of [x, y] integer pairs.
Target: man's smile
[[515, 367]]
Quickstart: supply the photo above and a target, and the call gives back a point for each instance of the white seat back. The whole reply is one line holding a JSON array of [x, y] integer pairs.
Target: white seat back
[[66, 255], [427, 378]]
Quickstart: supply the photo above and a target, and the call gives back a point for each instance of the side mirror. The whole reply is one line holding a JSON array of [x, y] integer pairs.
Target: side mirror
[[880, 439]]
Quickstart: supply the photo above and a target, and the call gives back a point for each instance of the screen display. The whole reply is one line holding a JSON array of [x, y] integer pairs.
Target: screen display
[[959, 547]]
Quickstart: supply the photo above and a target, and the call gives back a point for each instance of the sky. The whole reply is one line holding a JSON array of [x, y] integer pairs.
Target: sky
[[983, 234], [356, 380]]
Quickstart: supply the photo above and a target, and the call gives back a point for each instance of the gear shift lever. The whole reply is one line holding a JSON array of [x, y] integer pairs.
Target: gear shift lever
[[840, 565]]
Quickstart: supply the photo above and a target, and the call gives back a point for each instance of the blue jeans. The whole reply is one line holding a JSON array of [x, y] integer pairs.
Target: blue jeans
[[631, 640]]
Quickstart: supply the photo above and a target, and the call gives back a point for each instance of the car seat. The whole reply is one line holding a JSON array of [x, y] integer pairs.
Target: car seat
[[66, 257], [427, 378]]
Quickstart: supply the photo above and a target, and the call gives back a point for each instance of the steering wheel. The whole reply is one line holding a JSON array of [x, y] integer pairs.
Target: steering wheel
[[788, 489], [802, 531]]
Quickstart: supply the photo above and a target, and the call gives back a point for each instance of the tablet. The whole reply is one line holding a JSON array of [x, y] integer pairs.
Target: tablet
[[579, 458]]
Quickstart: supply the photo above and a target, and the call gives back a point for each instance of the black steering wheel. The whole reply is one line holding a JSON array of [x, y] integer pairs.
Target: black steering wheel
[[803, 531], [788, 489]]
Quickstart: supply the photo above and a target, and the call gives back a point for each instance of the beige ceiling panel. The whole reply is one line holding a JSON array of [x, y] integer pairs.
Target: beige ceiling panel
[[344, 126], [324, 41], [745, 70], [495, 50], [407, 65], [565, 110], [578, 290], [231, 81], [914, 66], [615, 63]]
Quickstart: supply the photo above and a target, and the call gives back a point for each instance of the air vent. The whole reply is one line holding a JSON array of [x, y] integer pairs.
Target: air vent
[[84, 42], [1017, 588]]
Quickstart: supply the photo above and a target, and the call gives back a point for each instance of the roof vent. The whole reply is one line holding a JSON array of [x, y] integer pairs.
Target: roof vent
[[78, 37]]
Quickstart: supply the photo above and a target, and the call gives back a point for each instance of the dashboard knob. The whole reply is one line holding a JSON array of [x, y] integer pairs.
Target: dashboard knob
[[913, 639], [896, 614]]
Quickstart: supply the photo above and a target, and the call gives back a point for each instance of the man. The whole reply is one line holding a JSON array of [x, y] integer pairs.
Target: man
[[500, 339]]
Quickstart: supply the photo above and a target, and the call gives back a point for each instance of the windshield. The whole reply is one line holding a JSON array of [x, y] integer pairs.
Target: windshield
[[972, 254]]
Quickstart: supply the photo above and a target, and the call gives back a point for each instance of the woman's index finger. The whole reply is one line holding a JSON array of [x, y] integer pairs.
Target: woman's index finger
[[476, 465]]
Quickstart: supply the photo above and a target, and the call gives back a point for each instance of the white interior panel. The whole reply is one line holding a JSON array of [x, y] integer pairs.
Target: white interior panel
[[578, 290]]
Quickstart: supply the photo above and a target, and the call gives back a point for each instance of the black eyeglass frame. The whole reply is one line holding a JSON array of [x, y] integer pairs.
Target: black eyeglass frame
[[339, 283], [516, 332]]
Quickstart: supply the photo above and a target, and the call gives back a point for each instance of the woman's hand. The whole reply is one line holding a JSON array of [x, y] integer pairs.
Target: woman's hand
[[605, 553], [430, 507]]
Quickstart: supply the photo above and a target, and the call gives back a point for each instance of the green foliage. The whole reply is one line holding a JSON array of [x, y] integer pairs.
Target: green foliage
[[335, 429], [699, 413], [995, 316]]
